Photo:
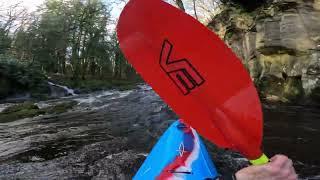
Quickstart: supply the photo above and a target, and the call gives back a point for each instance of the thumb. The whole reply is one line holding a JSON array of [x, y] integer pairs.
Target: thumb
[[278, 156], [279, 160]]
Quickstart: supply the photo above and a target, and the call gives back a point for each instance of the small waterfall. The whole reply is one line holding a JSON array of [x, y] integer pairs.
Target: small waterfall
[[67, 90]]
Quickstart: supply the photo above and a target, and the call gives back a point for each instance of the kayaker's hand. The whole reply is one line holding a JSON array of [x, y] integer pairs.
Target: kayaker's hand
[[280, 168]]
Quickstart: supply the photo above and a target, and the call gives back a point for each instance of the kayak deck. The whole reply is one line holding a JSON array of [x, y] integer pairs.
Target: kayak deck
[[179, 154]]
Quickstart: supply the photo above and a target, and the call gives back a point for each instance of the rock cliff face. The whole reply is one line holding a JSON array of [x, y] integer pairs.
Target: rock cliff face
[[279, 43]]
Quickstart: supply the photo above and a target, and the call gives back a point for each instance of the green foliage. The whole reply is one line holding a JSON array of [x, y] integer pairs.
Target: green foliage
[[5, 41], [96, 85], [16, 77], [93, 84], [228, 35], [123, 84], [71, 38]]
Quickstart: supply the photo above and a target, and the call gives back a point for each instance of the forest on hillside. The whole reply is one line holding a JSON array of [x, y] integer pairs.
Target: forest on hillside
[[72, 39], [73, 42]]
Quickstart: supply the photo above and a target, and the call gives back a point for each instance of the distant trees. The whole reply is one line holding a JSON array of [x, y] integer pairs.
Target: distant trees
[[248, 5], [73, 37], [204, 10], [180, 4], [70, 37], [5, 41], [8, 17]]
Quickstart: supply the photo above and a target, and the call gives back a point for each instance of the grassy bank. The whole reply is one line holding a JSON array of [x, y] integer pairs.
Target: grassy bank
[[29, 109], [92, 84]]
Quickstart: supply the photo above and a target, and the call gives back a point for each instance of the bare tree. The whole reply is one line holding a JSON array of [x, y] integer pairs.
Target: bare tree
[[195, 9], [206, 9], [10, 16], [202, 10]]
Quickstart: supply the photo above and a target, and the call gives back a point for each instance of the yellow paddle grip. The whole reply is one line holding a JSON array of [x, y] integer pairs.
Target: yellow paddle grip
[[260, 161]]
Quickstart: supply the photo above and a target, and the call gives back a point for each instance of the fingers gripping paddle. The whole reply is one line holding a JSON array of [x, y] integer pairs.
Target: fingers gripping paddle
[[195, 73]]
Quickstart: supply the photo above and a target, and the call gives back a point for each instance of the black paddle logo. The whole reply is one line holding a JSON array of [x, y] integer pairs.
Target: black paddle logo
[[181, 72]]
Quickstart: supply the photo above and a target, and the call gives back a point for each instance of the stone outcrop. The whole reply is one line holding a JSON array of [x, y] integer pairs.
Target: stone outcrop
[[279, 44]]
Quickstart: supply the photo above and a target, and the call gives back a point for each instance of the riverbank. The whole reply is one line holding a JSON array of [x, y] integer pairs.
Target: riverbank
[[91, 84], [23, 81]]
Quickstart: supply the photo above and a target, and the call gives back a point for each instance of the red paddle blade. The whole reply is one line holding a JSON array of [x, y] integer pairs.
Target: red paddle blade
[[194, 72]]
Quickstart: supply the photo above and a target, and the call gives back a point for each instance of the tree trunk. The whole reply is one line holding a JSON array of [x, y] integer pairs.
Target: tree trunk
[[117, 68], [194, 9], [180, 4]]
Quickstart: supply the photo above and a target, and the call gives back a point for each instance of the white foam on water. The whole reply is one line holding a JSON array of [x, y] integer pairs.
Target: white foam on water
[[42, 105], [88, 100], [4, 106], [101, 97], [122, 94], [105, 93], [143, 154], [101, 107], [145, 87], [70, 91]]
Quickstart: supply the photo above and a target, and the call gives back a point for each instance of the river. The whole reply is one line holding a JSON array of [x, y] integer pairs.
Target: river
[[109, 134]]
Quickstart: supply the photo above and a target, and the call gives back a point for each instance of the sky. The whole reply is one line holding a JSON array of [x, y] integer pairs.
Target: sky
[[31, 5]]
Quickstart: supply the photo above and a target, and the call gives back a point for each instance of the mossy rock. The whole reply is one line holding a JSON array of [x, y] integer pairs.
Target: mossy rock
[[28, 110], [20, 107], [60, 108], [289, 88], [270, 85], [19, 111], [293, 89]]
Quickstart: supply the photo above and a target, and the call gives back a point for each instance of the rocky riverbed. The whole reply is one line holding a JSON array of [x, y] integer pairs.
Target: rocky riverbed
[[108, 134]]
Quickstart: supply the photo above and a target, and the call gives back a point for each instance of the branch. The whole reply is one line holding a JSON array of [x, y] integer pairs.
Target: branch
[[180, 5], [14, 13], [194, 9]]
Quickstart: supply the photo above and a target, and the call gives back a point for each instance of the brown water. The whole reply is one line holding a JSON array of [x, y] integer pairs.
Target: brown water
[[294, 131]]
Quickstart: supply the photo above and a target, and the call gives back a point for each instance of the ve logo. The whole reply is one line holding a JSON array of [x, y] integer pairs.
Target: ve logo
[[181, 71]]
